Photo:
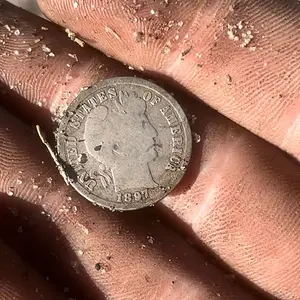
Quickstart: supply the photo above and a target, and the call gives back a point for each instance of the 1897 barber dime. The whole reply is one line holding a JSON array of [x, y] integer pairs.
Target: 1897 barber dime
[[124, 143]]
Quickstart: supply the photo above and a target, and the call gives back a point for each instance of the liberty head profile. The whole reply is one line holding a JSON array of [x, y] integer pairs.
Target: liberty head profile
[[122, 140]]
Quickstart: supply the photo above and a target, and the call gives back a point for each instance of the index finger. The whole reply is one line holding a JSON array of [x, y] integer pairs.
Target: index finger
[[240, 57]]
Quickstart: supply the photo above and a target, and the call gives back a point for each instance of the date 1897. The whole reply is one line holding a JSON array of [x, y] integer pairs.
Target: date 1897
[[132, 197]]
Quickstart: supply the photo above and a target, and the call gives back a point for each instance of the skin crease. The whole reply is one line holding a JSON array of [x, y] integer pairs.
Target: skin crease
[[239, 198]]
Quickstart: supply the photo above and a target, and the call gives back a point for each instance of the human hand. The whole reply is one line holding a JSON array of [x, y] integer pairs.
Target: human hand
[[239, 199]]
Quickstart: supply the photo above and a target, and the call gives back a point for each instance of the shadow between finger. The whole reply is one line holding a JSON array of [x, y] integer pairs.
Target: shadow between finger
[[38, 241]]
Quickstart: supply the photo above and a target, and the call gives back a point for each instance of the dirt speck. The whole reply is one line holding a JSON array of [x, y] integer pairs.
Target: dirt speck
[[75, 266], [192, 119], [139, 36], [150, 239], [112, 32], [10, 193], [231, 32], [46, 49], [80, 252], [7, 27], [242, 32], [154, 12], [176, 38], [102, 268], [74, 56], [72, 37], [229, 78], [197, 137], [64, 209], [166, 49], [247, 37], [186, 51]]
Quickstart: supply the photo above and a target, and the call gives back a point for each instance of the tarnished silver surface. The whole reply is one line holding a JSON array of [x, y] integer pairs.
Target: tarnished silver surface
[[124, 143]]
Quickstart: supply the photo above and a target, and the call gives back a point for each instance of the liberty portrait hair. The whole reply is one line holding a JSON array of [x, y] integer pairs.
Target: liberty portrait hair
[[120, 137]]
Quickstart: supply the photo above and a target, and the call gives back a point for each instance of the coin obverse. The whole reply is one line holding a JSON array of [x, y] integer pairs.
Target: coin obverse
[[124, 143]]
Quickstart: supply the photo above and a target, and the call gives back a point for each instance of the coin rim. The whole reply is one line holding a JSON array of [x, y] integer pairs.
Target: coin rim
[[124, 80]]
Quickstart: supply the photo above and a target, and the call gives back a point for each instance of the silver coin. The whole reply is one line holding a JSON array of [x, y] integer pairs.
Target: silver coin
[[124, 143]]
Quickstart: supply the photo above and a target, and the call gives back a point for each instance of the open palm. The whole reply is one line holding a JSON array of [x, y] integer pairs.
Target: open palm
[[231, 230]]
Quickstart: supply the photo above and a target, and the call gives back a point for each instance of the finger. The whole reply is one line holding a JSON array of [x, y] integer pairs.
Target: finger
[[39, 63], [19, 281], [218, 133], [242, 58], [244, 205], [127, 256]]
